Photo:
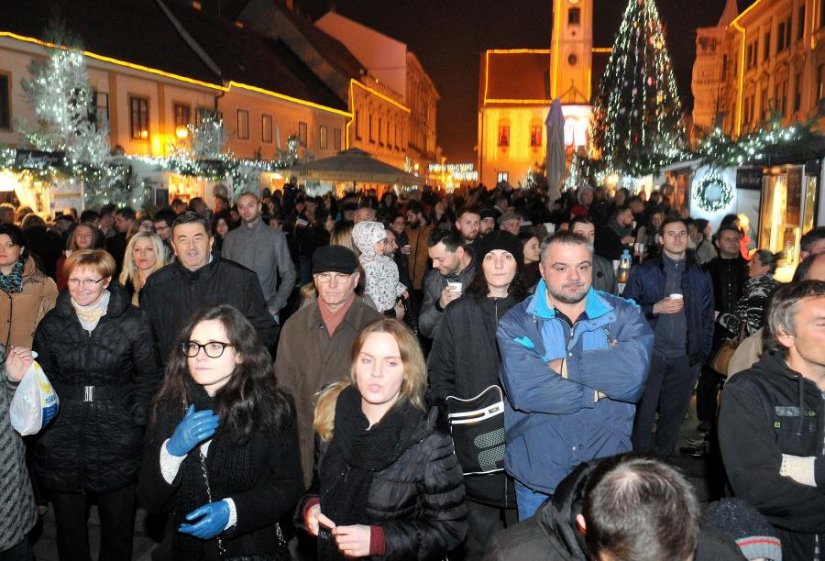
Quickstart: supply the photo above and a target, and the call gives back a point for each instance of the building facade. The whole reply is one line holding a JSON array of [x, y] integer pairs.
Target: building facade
[[517, 86]]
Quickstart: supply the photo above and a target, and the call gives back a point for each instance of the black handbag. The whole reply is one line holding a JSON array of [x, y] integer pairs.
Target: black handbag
[[477, 426]]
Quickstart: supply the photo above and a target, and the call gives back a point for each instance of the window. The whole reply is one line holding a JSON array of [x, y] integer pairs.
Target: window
[[820, 82], [183, 115], [372, 130], [357, 124], [100, 111], [380, 131], [574, 16], [780, 97], [302, 133], [766, 48], [821, 13], [504, 135], [764, 108], [797, 92], [724, 67], [783, 38], [5, 102], [266, 128], [535, 135], [336, 139], [388, 134], [322, 137], [243, 124], [395, 137], [139, 118], [751, 56], [502, 177], [800, 22]]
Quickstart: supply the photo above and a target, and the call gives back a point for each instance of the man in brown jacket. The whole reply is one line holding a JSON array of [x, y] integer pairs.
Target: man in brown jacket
[[316, 341]]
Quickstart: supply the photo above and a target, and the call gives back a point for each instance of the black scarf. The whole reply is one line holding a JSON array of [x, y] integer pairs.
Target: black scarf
[[354, 455], [620, 230], [229, 468]]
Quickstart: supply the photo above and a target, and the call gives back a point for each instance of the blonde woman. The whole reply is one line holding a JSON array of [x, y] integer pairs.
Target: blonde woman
[[144, 255], [388, 482]]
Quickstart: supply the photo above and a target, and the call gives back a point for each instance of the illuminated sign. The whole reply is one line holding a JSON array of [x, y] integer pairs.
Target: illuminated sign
[[455, 172]]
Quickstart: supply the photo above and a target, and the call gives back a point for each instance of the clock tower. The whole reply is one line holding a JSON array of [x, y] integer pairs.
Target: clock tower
[[571, 51]]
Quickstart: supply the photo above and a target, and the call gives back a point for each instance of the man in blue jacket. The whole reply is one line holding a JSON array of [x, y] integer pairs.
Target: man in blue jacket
[[574, 363], [676, 296]]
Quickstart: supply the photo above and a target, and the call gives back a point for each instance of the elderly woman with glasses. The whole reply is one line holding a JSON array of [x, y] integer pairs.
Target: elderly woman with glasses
[[98, 351], [222, 446]]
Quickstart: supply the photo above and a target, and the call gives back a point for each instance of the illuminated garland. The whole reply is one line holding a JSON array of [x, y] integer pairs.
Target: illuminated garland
[[719, 149], [711, 182], [637, 118]]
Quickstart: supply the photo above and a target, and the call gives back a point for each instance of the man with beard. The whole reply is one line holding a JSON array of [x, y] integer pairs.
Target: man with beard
[[467, 224], [418, 232], [616, 236], [574, 363], [676, 296]]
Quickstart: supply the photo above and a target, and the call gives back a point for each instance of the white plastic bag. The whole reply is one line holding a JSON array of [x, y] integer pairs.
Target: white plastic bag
[[35, 402]]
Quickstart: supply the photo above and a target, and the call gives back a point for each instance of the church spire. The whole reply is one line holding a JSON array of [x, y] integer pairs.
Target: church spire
[[729, 14]]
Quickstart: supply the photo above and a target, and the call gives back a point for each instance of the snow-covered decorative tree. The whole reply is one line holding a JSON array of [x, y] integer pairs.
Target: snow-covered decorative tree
[[61, 96], [637, 125], [209, 137]]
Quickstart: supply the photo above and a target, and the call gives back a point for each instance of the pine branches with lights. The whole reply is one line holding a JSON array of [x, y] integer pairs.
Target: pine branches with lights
[[61, 96], [637, 123], [719, 149]]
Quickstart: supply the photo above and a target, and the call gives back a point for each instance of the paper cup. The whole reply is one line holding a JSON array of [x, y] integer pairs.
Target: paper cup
[[454, 286], [676, 296]]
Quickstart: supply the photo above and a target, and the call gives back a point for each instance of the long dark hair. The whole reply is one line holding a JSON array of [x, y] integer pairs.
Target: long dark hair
[[250, 400], [479, 289]]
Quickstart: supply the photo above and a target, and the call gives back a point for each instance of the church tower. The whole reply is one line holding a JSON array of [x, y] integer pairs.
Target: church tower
[[571, 51]]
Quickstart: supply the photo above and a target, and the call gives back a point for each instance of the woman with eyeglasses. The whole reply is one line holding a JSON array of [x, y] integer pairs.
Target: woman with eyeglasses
[[222, 445], [98, 352]]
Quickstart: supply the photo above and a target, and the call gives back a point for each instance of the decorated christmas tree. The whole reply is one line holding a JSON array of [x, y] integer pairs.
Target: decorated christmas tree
[[61, 96], [637, 124]]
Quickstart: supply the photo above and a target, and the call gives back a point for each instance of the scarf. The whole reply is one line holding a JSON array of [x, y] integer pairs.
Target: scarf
[[620, 230], [90, 314], [332, 319], [13, 282], [354, 455], [230, 471]]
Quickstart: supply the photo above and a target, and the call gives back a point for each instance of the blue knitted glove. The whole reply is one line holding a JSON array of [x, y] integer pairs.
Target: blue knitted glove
[[213, 519], [193, 429]]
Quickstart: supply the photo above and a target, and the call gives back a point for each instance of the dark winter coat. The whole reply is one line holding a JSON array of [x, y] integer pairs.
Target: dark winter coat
[[174, 293], [463, 362], [270, 489], [551, 534], [419, 499], [646, 286], [770, 410], [434, 282], [95, 445]]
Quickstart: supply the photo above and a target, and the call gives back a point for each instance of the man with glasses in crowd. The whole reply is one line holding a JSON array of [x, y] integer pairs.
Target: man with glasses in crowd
[[199, 278], [314, 349]]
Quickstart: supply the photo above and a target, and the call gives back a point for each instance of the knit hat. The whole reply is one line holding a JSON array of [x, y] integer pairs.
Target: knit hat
[[366, 234], [334, 259], [499, 239], [487, 213], [751, 531]]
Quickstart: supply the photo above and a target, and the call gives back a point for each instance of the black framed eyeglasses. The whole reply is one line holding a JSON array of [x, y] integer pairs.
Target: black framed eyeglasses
[[213, 349]]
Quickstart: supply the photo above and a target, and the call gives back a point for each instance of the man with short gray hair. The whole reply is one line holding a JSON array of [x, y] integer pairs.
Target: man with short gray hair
[[770, 422]]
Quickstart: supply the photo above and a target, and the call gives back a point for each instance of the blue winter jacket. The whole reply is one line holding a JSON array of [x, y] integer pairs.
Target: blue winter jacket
[[553, 423], [646, 286]]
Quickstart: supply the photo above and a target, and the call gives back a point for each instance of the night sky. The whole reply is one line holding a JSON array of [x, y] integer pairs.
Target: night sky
[[448, 37]]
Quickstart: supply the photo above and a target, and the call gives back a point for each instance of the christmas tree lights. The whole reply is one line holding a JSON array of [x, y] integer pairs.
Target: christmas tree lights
[[637, 118]]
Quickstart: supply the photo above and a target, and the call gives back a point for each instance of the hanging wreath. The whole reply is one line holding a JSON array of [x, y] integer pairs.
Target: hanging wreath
[[713, 193]]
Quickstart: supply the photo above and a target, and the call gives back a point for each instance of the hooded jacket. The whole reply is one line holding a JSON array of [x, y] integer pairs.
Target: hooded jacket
[[767, 411], [381, 272], [553, 423]]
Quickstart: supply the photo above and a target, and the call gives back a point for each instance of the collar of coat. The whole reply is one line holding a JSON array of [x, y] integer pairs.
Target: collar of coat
[[594, 305], [354, 316]]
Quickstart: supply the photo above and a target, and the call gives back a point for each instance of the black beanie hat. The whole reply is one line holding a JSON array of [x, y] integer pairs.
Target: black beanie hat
[[499, 239], [751, 531]]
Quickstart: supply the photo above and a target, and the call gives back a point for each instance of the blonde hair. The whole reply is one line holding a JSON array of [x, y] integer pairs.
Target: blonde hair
[[96, 259], [130, 270], [412, 387]]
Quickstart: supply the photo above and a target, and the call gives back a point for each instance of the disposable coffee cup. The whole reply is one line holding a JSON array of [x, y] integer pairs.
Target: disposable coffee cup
[[676, 296], [454, 286], [638, 248]]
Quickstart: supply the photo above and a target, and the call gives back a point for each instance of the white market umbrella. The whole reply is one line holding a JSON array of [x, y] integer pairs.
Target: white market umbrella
[[556, 163]]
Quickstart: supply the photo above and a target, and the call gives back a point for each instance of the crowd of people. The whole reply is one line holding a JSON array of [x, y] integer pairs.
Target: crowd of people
[[462, 376]]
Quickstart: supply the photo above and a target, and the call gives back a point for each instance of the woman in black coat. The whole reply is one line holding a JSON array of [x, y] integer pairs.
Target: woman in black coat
[[387, 482], [464, 362], [222, 446], [97, 350]]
